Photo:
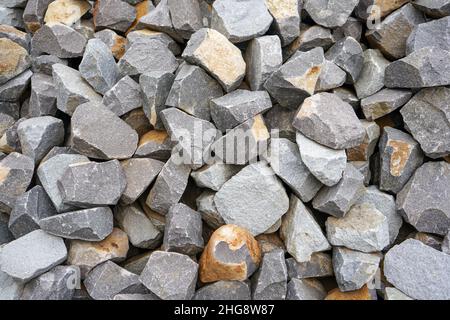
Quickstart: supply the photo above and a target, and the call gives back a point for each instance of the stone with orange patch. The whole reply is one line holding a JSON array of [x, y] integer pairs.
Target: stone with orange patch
[[155, 144], [232, 253], [14, 59], [115, 42], [361, 294], [67, 12], [367, 148]]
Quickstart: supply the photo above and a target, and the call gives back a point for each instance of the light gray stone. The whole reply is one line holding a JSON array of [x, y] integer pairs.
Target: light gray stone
[[286, 18], [430, 34], [391, 293], [270, 281], [43, 63], [347, 54], [186, 16], [330, 13], [371, 78], [305, 289], [310, 38], [113, 14], [114, 42], [16, 87], [331, 77], [364, 151], [159, 19], [445, 246], [318, 266], [384, 102], [10, 289], [224, 290], [434, 8], [123, 97], [136, 296], [208, 211], [146, 35], [214, 175], [12, 17]]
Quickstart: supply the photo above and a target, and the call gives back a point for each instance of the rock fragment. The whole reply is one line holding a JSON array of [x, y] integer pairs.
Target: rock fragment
[[392, 293], [384, 102], [286, 19], [114, 42], [445, 247], [270, 282], [208, 211], [310, 38], [186, 17], [361, 294], [318, 266], [14, 89], [12, 17], [331, 77], [123, 97], [15, 60], [371, 78], [429, 34], [280, 118], [34, 13], [67, 12], [305, 289], [20, 37], [366, 11], [433, 8], [11, 289], [154, 144], [146, 35], [113, 14], [364, 151], [159, 19], [330, 14], [224, 290], [348, 55], [214, 175], [43, 96]]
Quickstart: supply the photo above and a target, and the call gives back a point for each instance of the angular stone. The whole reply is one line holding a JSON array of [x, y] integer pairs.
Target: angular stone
[[14, 3], [113, 14], [238, 106], [98, 66], [240, 203], [400, 156], [347, 95], [183, 231], [107, 280], [366, 11], [10, 289], [331, 13], [433, 8], [347, 54], [169, 186], [430, 34], [32, 255], [159, 19], [139, 174], [154, 144], [286, 18], [9, 142], [212, 51], [426, 67], [427, 117], [123, 97], [6, 122], [423, 281], [364, 151], [52, 170], [136, 296], [86, 254], [231, 254], [192, 90], [354, 269], [43, 96], [29, 209], [92, 184], [331, 77], [170, 275], [352, 28], [72, 90], [318, 266], [296, 79], [280, 118], [424, 200], [21, 38], [14, 89], [16, 172], [263, 56], [15, 60], [114, 42], [310, 38], [146, 35], [57, 284], [364, 168], [33, 15], [138, 121], [98, 133], [371, 78], [445, 247], [12, 17], [208, 210], [214, 175], [305, 289], [428, 239], [361, 294], [328, 120], [136, 264], [43, 64], [270, 282], [301, 233], [186, 16], [145, 57], [392, 293], [224, 290], [384, 102], [39, 135], [90, 225], [67, 12], [363, 228], [285, 160]]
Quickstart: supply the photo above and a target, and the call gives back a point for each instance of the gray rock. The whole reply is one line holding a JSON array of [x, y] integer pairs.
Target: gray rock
[[310, 38], [296, 79], [16, 172], [59, 40], [212, 51], [354, 269], [92, 184], [113, 14], [391, 34], [384, 102], [371, 78], [427, 117], [137, 264], [136, 296], [328, 120], [433, 8], [43, 63], [263, 56], [424, 201], [98, 133], [15, 59], [107, 280], [364, 168], [32, 255], [155, 144], [71, 89], [10, 289], [254, 19], [57, 284], [286, 19], [192, 90], [331, 77], [186, 16], [285, 160], [159, 19], [21, 38], [90, 224], [98, 66], [426, 67], [39, 135], [224, 290], [238, 106], [279, 119], [214, 175], [114, 42], [12, 17], [52, 170], [364, 151], [347, 54], [246, 197], [34, 13], [365, 11], [363, 228], [318, 266], [330, 13], [301, 233], [140, 230], [146, 35], [270, 281], [29, 209], [16, 87], [352, 28], [139, 174], [170, 275], [43, 96], [5, 234], [424, 281], [326, 164], [183, 231], [305, 289], [208, 211], [428, 239], [6, 122], [445, 246], [400, 156], [145, 57], [430, 34], [391, 293], [169, 186], [123, 97], [9, 142]]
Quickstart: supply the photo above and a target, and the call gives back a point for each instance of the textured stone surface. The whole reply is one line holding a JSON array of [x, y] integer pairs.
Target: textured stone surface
[[113, 14], [154, 144], [224, 290], [280, 118], [114, 42], [146, 35], [347, 54], [33, 15], [270, 282], [208, 211], [310, 38], [407, 267], [331, 77], [384, 102], [365, 150], [170, 275], [245, 199], [364, 9], [214, 175], [371, 78], [286, 18], [430, 34], [186, 16], [15, 60], [305, 289], [67, 12], [331, 13], [12, 16], [43, 96], [123, 97], [392, 293], [433, 8], [15, 88], [11, 289], [445, 247], [318, 266], [361, 294]]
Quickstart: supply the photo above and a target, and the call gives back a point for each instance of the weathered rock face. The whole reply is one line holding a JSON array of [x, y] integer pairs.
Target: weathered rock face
[[270, 282], [15, 60], [330, 14]]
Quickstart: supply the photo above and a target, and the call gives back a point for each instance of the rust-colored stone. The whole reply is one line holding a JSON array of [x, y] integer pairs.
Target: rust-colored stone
[[361, 294], [14, 59]]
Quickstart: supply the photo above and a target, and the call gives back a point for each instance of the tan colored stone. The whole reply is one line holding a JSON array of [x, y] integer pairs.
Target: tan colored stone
[[269, 242], [142, 8], [234, 242], [361, 294], [386, 7], [401, 152], [14, 59], [155, 136], [138, 121], [66, 11]]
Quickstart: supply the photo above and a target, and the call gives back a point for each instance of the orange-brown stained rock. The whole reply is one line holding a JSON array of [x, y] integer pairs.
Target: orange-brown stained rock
[[156, 136], [401, 152], [211, 269], [66, 11], [138, 121], [142, 8], [447, 158], [361, 294], [269, 242], [385, 7], [118, 48], [386, 121], [14, 59], [357, 153]]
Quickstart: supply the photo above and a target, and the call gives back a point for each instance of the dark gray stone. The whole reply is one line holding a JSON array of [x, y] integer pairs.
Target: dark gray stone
[[214, 175], [270, 281], [347, 54], [330, 13], [208, 210], [43, 96], [43, 63], [318, 266], [155, 144], [286, 19], [224, 290], [113, 14], [186, 16], [434, 8], [16, 87], [305, 289], [123, 97]]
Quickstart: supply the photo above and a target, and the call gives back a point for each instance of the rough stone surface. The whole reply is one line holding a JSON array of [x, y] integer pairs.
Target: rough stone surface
[[392, 293], [331, 77], [123, 97], [208, 211], [384, 102], [270, 282], [347, 54], [214, 175], [186, 16], [11, 289], [365, 150], [371, 78], [15, 60], [318, 266], [364, 11], [305, 289], [67, 12], [330, 13], [286, 18], [15, 88], [224, 290], [429, 34], [43, 96], [114, 42], [154, 144], [433, 8], [113, 14], [310, 38]]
